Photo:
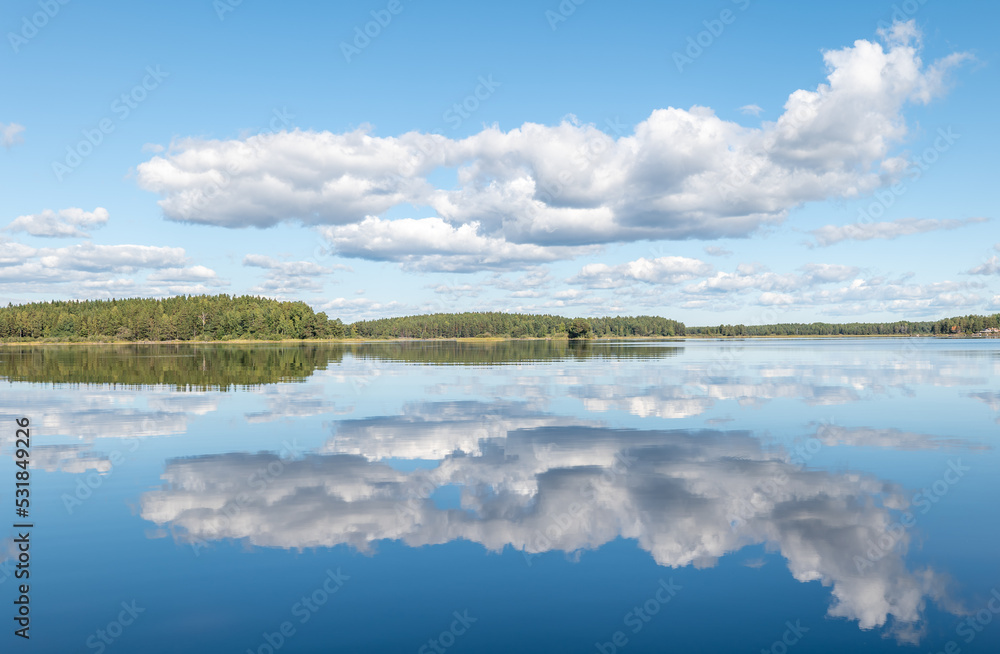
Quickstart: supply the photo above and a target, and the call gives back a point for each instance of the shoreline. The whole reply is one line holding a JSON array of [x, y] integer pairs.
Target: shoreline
[[494, 339]]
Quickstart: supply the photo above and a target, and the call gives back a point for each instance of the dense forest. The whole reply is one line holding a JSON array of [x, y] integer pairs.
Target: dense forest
[[514, 325], [224, 317], [965, 325], [183, 318]]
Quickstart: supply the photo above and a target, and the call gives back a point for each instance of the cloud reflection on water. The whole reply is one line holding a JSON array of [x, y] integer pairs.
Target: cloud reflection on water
[[537, 482]]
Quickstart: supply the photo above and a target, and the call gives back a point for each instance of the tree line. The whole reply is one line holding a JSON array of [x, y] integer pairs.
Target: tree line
[[183, 318], [512, 325], [225, 317], [964, 325]]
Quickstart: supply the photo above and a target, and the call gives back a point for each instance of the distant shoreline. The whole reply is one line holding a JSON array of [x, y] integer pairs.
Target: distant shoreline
[[497, 339]]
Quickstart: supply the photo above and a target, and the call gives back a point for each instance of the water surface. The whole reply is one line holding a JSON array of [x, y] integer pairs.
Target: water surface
[[535, 496]]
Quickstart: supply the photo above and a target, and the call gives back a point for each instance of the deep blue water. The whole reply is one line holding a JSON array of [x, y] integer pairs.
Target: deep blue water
[[693, 496]]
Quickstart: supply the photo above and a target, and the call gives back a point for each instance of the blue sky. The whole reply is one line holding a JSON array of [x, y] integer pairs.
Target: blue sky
[[727, 161]]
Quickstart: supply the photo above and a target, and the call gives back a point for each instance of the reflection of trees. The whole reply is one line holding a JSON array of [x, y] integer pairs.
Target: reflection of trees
[[184, 367], [494, 352], [209, 367]]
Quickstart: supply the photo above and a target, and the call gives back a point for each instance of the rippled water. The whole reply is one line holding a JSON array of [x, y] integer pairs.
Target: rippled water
[[703, 496]]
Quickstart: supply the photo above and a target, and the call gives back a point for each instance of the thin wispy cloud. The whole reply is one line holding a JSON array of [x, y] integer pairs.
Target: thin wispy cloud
[[10, 134], [192, 274], [833, 234], [990, 267], [286, 278], [716, 251]]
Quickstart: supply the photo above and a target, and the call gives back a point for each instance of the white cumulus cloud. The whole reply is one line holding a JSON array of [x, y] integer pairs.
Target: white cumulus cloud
[[520, 193]]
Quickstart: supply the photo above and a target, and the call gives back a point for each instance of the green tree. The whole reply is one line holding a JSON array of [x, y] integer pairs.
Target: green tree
[[579, 328]]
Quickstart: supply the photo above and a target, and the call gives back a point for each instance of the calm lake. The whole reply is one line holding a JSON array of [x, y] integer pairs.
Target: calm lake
[[692, 496]]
